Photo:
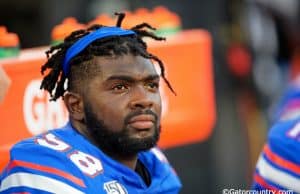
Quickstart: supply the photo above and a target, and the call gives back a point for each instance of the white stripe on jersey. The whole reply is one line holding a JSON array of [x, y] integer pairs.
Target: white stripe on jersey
[[277, 176], [37, 182], [159, 154]]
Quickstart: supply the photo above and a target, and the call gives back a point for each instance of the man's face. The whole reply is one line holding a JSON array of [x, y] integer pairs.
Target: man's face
[[123, 105]]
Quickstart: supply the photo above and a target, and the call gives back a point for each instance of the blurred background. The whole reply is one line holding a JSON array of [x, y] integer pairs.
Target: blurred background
[[254, 47]]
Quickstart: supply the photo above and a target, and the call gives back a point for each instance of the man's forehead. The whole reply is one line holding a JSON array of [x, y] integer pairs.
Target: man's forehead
[[125, 65]]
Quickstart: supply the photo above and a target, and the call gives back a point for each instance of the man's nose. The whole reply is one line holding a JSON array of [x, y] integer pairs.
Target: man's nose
[[141, 98]]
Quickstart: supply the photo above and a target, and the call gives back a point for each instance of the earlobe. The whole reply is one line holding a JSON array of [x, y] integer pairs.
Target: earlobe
[[74, 104]]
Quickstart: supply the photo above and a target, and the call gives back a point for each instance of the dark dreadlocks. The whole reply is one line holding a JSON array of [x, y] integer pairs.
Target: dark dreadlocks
[[54, 81]]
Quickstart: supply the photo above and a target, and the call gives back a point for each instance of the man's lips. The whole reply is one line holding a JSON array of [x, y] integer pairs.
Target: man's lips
[[143, 121]]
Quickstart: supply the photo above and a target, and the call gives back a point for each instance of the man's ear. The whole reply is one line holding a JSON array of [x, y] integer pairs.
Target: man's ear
[[74, 104]]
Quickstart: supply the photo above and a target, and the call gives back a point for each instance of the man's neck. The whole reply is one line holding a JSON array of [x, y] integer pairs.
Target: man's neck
[[130, 162]]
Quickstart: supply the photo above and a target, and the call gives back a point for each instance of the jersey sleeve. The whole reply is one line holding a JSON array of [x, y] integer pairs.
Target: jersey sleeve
[[278, 167], [37, 169]]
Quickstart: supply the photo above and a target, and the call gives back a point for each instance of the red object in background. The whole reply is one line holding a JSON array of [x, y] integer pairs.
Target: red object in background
[[295, 64], [187, 118], [238, 60]]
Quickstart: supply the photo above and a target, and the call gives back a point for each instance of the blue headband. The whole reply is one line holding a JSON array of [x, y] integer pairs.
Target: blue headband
[[82, 43]]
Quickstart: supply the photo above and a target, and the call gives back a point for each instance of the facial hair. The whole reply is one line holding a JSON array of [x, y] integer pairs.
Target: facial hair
[[119, 143]]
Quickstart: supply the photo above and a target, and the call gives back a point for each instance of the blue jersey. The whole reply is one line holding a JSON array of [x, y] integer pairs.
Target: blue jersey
[[278, 167], [63, 161], [289, 106]]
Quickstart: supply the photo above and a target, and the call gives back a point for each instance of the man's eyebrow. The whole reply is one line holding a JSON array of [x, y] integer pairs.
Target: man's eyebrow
[[152, 77], [131, 79]]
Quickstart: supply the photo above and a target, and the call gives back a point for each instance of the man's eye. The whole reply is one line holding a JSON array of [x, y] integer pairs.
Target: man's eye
[[119, 87], [153, 85]]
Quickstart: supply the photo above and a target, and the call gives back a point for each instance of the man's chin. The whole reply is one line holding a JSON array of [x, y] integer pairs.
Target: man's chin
[[133, 145], [144, 134]]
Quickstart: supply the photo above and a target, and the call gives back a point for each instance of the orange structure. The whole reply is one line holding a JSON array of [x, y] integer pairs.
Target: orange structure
[[60, 31], [9, 43], [187, 118], [165, 21]]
